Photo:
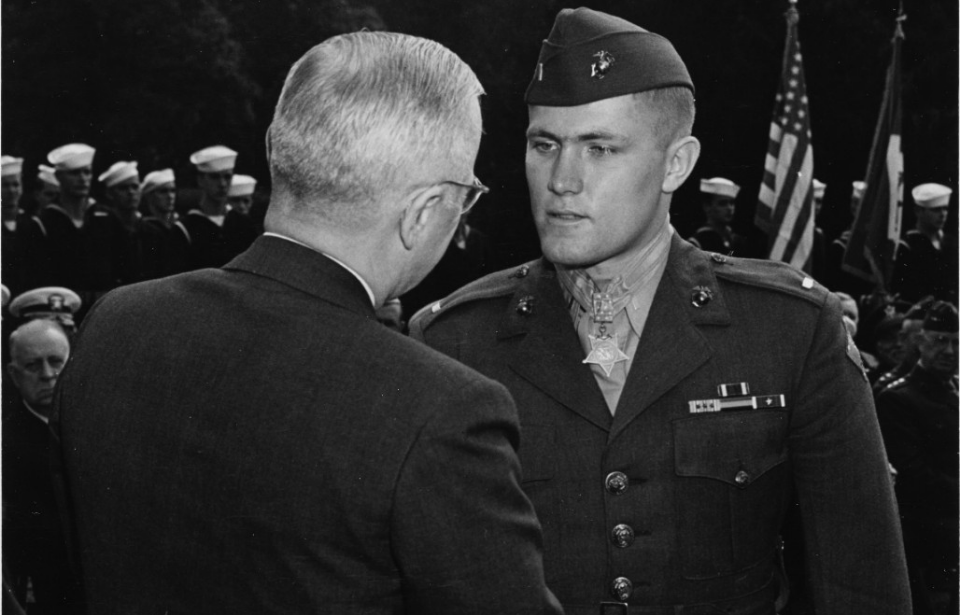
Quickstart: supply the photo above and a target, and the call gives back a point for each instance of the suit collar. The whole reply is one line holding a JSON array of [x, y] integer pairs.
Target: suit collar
[[306, 270]]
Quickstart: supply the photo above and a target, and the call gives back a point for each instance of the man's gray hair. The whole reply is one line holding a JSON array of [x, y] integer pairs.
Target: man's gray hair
[[366, 113]]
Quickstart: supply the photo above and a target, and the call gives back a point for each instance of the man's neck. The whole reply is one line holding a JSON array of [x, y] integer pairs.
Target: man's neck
[[933, 234], [605, 272], [74, 206], [212, 208], [128, 217]]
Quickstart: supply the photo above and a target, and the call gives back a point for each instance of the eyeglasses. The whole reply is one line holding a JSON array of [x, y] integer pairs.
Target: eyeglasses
[[474, 192]]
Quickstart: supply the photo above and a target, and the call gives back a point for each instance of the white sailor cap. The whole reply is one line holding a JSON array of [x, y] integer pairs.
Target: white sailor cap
[[818, 188], [47, 175], [71, 156], [4, 295], [47, 302], [118, 172], [155, 179], [214, 159], [242, 185], [931, 195], [858, 188], [10, 165], [721, 186]]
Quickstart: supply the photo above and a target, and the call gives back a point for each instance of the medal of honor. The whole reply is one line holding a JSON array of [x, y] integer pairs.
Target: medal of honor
[[604, 348]]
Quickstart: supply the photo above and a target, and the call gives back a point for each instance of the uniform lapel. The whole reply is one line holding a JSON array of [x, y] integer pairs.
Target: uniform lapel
[[672, 345], [550, 356]]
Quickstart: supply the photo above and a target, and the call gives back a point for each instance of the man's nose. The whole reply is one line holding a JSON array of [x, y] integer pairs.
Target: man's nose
[[567, 174]]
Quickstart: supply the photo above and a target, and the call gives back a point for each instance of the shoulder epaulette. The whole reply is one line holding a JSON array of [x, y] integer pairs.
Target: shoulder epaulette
[[769, 274], [497, 284]]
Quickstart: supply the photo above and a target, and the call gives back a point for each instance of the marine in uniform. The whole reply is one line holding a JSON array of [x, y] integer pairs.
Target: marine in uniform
[[165, 240], [239, 229], [719, 206], [83, 243], [919, 417], [927, 257], [673, 402], [208, 246]]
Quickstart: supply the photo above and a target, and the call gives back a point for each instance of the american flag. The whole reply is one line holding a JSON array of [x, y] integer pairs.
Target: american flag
[[872, 248], [785, 211]]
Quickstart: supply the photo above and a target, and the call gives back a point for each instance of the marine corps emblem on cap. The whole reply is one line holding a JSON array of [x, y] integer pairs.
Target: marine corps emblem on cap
[[623, 59], [598, 70]]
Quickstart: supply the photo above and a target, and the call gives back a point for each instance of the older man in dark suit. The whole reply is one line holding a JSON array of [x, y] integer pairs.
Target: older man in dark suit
[[672, 400], [251, 440]]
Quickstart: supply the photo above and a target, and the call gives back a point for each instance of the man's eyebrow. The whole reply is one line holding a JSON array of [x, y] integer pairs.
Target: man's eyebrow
[[595, 135]]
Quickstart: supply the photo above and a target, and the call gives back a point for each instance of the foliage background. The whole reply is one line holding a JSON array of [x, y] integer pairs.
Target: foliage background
[[155, 80]]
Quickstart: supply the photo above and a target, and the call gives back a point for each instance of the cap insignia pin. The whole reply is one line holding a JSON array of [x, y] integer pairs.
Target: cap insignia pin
[[600, 68]]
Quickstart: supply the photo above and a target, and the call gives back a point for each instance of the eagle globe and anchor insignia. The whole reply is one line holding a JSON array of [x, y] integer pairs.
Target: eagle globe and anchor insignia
[[600, 68]]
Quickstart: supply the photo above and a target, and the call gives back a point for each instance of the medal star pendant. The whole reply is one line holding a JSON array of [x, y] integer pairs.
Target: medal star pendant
[[605, 352]]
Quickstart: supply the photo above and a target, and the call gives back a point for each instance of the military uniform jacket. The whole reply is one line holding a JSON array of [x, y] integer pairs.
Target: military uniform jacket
[[91, 259], [668, 504], [208, 244], [921, 269], [919, 417]]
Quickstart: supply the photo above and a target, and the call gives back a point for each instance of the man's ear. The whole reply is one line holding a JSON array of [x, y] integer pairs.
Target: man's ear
[[682, 156], [417, 215]]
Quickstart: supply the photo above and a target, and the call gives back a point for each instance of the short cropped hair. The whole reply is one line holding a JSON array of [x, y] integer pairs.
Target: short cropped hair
[[676, 111], [365, 113]]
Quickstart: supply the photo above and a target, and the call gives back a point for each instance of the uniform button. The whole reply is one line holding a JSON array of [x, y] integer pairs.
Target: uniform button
[[742, 478], [525, 305], [622, 535], [616, 482], [701, 296], [622, 589]]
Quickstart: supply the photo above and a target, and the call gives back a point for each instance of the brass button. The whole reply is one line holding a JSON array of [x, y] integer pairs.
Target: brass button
[[622, 588], [701, 296], [622, 535], [742, 478], [525, 305], [616, 482]]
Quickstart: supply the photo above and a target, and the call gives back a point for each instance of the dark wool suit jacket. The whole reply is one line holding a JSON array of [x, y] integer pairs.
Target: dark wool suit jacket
[[251, 440], [707, 491]]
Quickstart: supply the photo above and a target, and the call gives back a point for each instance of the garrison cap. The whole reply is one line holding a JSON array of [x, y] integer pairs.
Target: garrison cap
[[590, 56], [49, 302], [942, 317], [931, 195], [10, 165], [71, 156], [48, 175], [720, 186], [214, 159], [241, 185], [118, 172], [155, 179]]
